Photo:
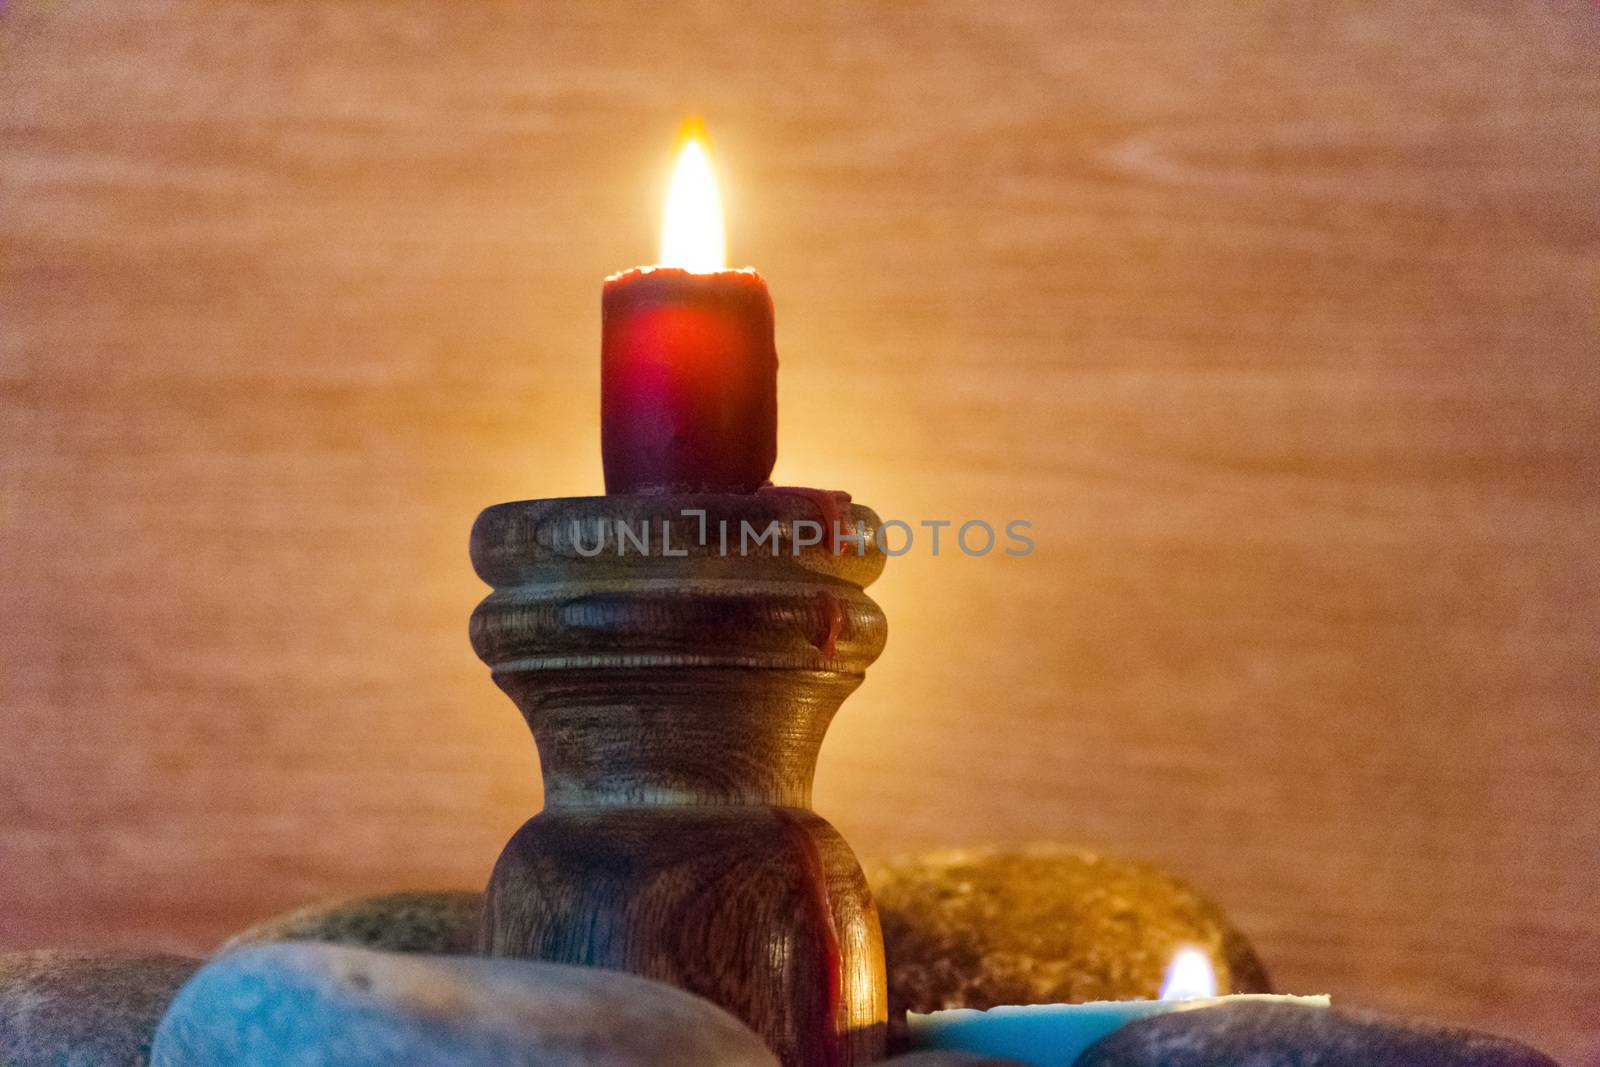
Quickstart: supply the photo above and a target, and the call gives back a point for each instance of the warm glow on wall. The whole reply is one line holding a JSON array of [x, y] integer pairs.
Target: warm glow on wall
[[692, 234]]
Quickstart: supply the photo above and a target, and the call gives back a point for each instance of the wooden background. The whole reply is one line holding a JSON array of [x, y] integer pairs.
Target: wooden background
[[1279, 321]]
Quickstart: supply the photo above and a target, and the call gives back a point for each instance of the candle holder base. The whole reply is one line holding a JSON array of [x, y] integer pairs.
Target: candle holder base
[[679, 659]]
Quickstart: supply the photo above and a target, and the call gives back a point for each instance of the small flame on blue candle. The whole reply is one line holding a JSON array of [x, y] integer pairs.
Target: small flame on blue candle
[[1189, 976]]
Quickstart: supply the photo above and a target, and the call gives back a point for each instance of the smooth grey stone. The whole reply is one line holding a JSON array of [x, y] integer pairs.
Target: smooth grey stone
[[445, 923], [1288, 1035], [84, 1009], [318, 1005]]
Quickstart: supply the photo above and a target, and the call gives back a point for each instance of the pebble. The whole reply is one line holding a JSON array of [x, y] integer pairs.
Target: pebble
[[1285, 1035], [445, 923], [320, 1005], [1044, 925], [84, 1009]]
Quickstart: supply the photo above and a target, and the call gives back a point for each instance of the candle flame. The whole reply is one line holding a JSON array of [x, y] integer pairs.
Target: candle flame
[[691, 225], [1189, 976]]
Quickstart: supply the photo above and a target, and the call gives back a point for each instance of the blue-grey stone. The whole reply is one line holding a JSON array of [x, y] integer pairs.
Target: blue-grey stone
[[319, 1005], [442, 922], [84, 1009], [1287, 1035]]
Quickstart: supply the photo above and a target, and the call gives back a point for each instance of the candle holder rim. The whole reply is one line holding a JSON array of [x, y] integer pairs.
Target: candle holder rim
[[522, 540]]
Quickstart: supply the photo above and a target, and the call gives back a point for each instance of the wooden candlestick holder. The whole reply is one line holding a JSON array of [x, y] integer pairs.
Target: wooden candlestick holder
[[678, 659]]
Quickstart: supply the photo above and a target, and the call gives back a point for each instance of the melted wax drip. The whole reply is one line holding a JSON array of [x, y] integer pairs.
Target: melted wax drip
[[832, 504], [833, 623]]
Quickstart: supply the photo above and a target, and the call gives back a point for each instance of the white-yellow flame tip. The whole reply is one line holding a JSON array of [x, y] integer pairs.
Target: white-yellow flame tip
[[692, 235]]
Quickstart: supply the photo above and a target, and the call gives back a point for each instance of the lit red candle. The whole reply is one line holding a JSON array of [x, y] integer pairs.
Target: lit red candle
[[688, 368]]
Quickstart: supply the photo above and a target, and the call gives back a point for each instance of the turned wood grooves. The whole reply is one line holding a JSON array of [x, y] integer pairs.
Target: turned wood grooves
[[678, 702]]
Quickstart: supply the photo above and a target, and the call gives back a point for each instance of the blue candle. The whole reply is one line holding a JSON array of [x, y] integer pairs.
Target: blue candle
[[1055, 1035]]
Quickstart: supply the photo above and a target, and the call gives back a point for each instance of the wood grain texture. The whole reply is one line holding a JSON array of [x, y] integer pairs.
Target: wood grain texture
[[1278, 320], [679, 683]]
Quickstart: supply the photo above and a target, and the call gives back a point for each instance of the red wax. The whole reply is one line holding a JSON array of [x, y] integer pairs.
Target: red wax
[[688, 382]]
